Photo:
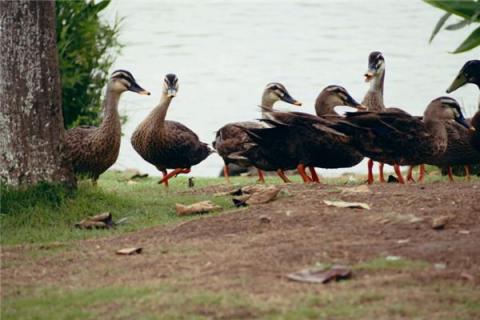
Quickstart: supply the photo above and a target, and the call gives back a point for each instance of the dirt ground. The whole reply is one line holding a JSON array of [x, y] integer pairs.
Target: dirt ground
[[237, 251]]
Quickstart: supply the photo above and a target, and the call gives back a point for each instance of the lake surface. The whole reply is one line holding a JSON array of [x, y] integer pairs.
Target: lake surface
[[225, 52]]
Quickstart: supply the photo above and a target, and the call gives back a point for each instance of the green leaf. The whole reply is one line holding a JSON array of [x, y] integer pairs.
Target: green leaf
[[101, 5], [439, 25], [465, 8], [472, 41], [458, 25]]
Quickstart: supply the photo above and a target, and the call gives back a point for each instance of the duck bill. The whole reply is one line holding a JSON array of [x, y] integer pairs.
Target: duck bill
[[136, 88], [288, 99], [459, 81], [354, 104], [171, 92], [369, 75], [461, 120]]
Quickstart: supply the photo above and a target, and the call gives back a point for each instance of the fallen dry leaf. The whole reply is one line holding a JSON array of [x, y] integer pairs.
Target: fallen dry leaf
[[344, 204], [263, 196], [254, 188], [196, 208], [440, 222], [316, 275], [129, 251], [99, 221]]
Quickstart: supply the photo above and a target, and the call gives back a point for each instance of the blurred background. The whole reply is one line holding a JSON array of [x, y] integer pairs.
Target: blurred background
[[225, 52]]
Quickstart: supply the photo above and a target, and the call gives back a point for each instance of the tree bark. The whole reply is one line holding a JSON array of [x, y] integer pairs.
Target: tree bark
[[31, 121]]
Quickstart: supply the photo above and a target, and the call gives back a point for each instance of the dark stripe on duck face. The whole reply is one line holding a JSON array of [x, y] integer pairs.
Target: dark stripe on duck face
[[375, 59], [450, 102], [124, 75], [278, 88], [171, 79], [339, 91]]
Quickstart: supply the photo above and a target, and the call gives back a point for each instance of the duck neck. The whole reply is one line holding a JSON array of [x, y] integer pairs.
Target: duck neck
[[324, 108], [436, 127], [374, 97], [267, 104], [111, 119], [160, 112]]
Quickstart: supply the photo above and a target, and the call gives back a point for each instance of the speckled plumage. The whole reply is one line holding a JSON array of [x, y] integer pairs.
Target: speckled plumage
[[231, 140], [295, 138], [399, 138], [169, 147], [93, 150], [168, 144], [459, 150]]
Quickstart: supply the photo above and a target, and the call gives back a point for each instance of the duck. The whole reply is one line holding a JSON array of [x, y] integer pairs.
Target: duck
[[470, 73], [231, 140], [95, 149], [301, 140], [373, 99], [398, 138], [168, 144]]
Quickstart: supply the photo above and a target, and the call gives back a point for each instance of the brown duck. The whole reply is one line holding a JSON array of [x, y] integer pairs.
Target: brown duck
[[398, 138], [300, 140], [168, 144], [470, 73], [93, 150], [232, 140]]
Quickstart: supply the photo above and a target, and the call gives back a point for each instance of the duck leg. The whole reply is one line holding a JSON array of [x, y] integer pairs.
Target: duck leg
[[370, 171], [450, 174], [283, 176], [174, 173], [467, 172], [303, 174], [398, 172], [226, 173], [410, 174], [261, 178], [164, 173], [314, 175], [422, 173], [380, 171]]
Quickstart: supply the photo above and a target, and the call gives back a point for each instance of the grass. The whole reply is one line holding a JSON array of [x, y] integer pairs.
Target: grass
[[48, 214], [45, 216], [345, 300]]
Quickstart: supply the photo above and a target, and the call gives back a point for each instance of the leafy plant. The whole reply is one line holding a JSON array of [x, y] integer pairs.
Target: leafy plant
[[468, 11], [87, 48]]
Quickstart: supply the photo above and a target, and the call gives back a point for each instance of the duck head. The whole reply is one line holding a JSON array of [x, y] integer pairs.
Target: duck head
[[470, 73], [333, 96], [276, 91], [122, 80], [170, 85], [376, 66], [446, 108]]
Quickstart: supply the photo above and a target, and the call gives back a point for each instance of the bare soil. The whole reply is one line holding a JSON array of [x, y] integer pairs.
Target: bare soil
[[237, 251]]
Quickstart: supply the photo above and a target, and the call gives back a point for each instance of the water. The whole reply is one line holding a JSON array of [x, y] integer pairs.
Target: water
[[225, 52]]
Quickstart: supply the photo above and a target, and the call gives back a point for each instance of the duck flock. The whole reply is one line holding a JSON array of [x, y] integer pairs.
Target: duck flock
[[282, 141]]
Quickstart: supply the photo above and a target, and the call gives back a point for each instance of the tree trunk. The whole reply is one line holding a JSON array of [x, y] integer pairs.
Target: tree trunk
[[31, 122]]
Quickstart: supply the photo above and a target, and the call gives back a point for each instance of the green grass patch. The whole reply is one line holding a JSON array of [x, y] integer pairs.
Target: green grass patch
[[345, 300], [46, 213]]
